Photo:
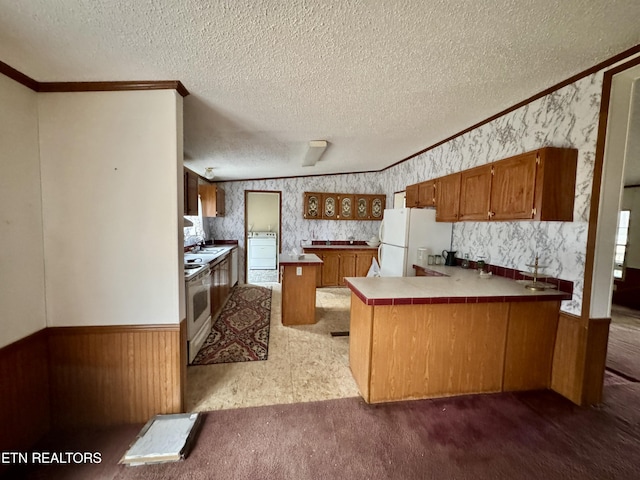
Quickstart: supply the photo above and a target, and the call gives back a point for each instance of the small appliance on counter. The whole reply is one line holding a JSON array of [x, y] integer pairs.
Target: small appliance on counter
[[423, 256], [374, 241], [450, 258]]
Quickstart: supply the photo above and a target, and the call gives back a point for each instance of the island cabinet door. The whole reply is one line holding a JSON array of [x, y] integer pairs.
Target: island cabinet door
[[319, 270], [320, 255], [475, 193], [330, 269]]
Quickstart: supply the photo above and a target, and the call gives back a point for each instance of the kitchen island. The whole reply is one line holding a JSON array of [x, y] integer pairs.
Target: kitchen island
[[453, 333], [298, 277]]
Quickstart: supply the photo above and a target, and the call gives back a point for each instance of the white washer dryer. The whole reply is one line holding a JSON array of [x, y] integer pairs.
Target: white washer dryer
[[263, 250]]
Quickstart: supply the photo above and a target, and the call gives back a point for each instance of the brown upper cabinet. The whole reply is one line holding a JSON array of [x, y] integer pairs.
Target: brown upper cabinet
[[346, 208], [362, 207], [421, 194], [212, 198], [475, 192], [538, 185], [190, 193], [340, 206], [427, 193], [330, 206], [378, 203], [411, 196], [312, 205], [448, 198]]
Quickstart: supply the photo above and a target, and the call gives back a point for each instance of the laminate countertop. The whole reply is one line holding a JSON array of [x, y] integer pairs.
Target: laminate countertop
[[338, 247], [451, 285], [308, 259]]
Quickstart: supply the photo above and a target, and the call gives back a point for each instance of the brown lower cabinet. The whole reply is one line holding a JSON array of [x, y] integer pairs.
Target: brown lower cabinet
[[406, 352], [220, 284], [338, 264]]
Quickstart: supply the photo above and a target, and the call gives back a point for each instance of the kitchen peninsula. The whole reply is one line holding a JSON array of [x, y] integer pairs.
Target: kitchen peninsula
[[450, 333]]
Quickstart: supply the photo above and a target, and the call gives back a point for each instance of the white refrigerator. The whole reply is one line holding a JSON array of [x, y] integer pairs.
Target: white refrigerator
[[402, 232]]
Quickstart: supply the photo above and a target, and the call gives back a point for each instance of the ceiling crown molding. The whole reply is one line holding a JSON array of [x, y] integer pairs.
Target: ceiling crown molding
[[113, 86], [19, 77], [36, 86]]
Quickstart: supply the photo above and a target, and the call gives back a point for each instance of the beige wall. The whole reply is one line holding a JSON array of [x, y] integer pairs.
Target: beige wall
[[110, 192], [22, 307], [263, 211]]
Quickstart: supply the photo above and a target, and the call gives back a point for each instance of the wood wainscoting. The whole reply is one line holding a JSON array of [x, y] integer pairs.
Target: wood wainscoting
[[109, 375], [24, 392], [579, 358]]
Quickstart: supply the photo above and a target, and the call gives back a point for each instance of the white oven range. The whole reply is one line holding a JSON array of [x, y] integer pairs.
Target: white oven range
[[198, 303]]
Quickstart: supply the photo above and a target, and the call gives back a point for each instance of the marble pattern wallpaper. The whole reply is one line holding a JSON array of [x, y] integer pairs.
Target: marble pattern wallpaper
[[567, 117], [296, 229]]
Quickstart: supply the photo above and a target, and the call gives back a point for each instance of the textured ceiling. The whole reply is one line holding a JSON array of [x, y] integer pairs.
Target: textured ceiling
[[378, 80]]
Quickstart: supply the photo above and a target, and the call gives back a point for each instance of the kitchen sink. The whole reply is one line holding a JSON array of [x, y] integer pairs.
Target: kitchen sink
[[210, 250]]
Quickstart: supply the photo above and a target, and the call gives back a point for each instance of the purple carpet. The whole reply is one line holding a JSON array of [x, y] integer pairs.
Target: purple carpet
[[533, 435]]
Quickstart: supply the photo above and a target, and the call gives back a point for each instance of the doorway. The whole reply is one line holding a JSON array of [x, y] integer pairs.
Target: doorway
[[263, 228], [615, 263]]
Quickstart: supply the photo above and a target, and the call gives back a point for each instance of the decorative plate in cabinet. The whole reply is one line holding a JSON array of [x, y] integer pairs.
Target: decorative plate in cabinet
[[346, 207], [362, 208], [312, 205], [329, 209], [377, 208]]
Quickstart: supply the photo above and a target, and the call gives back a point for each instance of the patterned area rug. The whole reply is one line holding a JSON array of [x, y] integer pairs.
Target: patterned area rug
[[241, 331]]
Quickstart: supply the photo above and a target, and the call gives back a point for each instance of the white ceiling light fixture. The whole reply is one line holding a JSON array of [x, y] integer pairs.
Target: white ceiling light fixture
[[314, 152], [208, 173]]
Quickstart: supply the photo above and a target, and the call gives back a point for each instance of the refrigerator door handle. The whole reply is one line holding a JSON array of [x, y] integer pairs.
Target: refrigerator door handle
[[380, 254], [381, 232]]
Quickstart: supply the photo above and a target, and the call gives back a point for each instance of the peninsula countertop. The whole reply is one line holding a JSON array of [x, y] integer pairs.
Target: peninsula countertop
[[453, 285]]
